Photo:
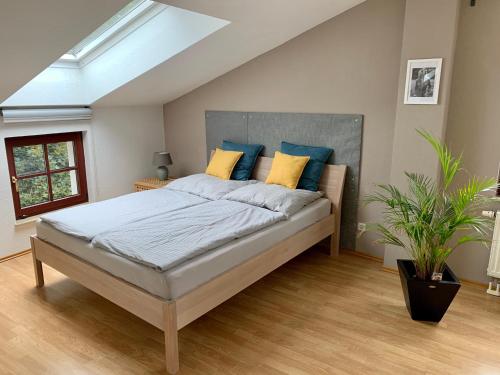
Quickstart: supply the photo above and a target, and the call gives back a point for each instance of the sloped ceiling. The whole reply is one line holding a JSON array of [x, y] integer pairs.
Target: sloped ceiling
[[35, 33], [257, 26]]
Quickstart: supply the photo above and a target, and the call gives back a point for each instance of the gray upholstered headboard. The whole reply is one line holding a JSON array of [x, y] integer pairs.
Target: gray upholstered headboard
[[343, 133]]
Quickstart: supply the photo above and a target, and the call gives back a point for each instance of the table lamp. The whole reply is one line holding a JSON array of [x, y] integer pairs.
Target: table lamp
[[161, 160]]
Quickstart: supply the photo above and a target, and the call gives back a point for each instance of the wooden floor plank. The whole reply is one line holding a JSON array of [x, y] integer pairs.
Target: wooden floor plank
[[314, 315]]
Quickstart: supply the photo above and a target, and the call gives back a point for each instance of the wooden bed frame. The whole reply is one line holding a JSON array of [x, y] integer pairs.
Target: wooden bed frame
[[172, 315]]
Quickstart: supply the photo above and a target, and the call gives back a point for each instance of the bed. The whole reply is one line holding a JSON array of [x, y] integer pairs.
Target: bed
[[172, 299]]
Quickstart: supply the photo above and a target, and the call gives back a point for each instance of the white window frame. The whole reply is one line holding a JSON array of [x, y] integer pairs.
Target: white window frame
[[109, 33]]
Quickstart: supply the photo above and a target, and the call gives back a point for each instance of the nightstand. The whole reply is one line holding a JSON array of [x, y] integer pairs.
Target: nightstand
[[151, 183]]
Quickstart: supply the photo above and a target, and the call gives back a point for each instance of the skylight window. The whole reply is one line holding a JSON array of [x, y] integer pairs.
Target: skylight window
[[125, 16], [148, 33]]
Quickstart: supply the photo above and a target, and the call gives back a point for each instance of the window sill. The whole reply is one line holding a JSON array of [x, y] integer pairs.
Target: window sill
[[33, 219], [28, 220]]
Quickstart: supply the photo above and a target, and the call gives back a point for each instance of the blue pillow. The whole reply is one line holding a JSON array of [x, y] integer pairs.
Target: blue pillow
[[314, 167], [243, 169]]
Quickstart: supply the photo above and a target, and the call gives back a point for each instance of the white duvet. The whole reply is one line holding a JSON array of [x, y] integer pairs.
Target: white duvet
[[274, 197], [167, 240], [163, 228], [87, 221]]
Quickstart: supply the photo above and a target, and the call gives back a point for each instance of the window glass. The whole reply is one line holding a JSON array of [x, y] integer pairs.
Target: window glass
[[64, 184], [29, 159], [33, 191], [61, 155]]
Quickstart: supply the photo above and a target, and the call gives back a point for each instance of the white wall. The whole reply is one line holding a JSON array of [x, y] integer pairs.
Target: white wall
[[60, 86], [409, 151], [473, 127], [119, 143], [124, 141], [165, 35]]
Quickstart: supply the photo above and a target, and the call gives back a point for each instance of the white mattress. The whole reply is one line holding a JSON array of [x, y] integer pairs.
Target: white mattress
[[185, 277]]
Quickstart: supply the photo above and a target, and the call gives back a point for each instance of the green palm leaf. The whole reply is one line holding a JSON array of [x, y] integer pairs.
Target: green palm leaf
[[426, 218]]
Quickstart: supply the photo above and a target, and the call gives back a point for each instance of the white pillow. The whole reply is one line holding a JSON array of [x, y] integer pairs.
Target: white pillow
[[205, 186], [274, 197]]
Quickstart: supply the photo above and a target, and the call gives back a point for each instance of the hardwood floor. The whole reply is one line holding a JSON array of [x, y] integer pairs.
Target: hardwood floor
[[315, 315]]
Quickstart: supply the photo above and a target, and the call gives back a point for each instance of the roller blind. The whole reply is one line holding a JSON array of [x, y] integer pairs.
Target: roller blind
[[45, 114]]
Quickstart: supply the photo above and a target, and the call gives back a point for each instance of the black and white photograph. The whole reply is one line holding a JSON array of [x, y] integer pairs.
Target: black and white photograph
[[422, 81]]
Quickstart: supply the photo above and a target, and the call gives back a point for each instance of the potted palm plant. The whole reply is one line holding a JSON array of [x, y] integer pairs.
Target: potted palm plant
[[430, 221]]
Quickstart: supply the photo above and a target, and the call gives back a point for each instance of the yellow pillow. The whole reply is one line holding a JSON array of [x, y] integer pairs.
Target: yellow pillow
[[222, 163], [286, 169]]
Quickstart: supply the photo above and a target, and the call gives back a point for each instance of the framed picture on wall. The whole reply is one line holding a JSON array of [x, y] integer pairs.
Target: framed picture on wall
[[422, 81]]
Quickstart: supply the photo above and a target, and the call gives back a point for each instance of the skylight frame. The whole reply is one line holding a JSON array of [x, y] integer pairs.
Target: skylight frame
[[108, 33]]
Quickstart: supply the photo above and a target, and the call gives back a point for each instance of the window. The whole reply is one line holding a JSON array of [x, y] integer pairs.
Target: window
[[47, 172], [121, 19]]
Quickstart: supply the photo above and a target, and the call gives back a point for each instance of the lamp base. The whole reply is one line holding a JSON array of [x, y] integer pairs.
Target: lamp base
[[162, 173]]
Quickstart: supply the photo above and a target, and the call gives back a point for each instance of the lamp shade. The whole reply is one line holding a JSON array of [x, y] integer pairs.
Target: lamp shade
[[162, 158]]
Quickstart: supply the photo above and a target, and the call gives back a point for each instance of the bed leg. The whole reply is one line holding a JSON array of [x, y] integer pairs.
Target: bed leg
[[37, 265], [334, 245], [335, 237], [171, 341]]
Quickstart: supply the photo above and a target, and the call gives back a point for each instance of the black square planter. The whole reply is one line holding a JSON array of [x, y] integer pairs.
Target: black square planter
[[427, 300]]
